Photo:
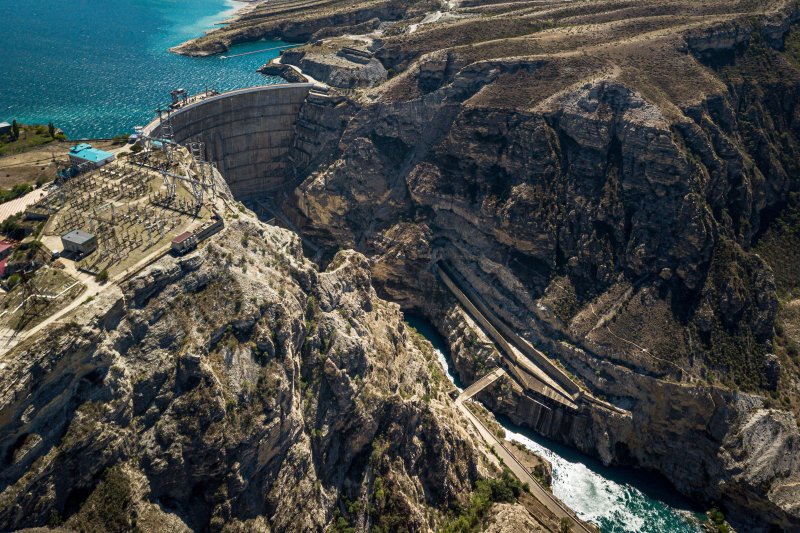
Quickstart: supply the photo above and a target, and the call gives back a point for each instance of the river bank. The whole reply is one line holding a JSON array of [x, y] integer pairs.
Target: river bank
[[619, 500]]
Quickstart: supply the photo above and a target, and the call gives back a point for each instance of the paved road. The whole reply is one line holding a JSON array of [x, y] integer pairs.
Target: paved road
[[277, 61], [537, 491], [515, 359], [526, 372]]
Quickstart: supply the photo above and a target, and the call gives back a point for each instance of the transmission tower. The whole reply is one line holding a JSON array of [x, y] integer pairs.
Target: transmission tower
[[204, 170], [167, 138]]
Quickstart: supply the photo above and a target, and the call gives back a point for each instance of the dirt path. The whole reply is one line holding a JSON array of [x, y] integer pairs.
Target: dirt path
[[10, 338]]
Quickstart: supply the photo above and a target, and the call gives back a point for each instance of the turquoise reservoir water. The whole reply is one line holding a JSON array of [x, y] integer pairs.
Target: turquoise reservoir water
[[96, 68], [619, 500]]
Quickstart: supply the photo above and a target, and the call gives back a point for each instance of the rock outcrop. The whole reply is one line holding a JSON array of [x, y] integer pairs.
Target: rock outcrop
[[237, 388], [347, 68], [603, 180], [618, 183], [289, 21]]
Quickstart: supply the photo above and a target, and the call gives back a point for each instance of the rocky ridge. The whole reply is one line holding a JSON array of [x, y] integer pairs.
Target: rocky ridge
[[237, 388], [617, 181], [302, 20]]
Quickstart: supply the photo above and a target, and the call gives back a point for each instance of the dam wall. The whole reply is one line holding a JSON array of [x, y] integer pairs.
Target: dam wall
[[248, 133]]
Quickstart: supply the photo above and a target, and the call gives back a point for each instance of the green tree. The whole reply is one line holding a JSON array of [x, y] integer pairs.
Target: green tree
[[51, 130], [14, 129], [717, 520], [13, 280], [505, 488], [54, 520], [11, 226]]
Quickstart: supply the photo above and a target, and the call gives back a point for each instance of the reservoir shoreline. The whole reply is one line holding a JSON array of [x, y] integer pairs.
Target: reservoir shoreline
[[120, 68]]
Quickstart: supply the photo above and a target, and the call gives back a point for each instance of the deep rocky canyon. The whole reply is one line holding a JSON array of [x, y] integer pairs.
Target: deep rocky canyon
[[617, 181], [236, 389]]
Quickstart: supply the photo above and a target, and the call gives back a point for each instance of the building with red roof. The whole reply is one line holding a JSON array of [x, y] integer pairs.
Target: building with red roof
[[5, 249]]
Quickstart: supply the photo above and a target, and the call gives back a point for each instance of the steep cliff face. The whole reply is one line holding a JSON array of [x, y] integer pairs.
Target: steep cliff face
[[236, 388], [602, 179]]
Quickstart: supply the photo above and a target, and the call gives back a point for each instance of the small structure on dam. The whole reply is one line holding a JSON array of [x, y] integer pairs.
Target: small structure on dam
[[248, 133]]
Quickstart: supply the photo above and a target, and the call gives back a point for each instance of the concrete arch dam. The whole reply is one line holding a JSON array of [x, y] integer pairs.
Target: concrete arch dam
[[247, 132]]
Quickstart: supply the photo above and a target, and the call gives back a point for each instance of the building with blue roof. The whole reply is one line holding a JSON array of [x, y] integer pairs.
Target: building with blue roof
[[84, 153]]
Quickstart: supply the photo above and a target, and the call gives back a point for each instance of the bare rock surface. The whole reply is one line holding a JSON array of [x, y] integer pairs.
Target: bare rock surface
[[237, 388], [616, 182]]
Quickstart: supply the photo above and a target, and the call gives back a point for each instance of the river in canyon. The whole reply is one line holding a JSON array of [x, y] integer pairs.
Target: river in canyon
[[618, 499]]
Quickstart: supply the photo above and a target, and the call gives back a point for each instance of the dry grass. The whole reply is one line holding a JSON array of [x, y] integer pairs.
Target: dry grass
[[36, 163], [56, 289], [641, 44]]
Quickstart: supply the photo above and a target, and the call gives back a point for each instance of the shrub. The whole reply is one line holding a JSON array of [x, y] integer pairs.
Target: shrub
[[13, 280], [792, 349], [110, 506], [505, 488], [14, 192], [10, 226], [102, 276], [717, 520], [54, 520], [340, 524]]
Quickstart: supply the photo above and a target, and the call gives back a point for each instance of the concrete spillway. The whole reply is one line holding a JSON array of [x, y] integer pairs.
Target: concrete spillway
[[247, 132]]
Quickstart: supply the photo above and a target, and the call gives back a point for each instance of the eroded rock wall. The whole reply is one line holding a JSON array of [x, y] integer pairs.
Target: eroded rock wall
[[234, 387], [606, 221]]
